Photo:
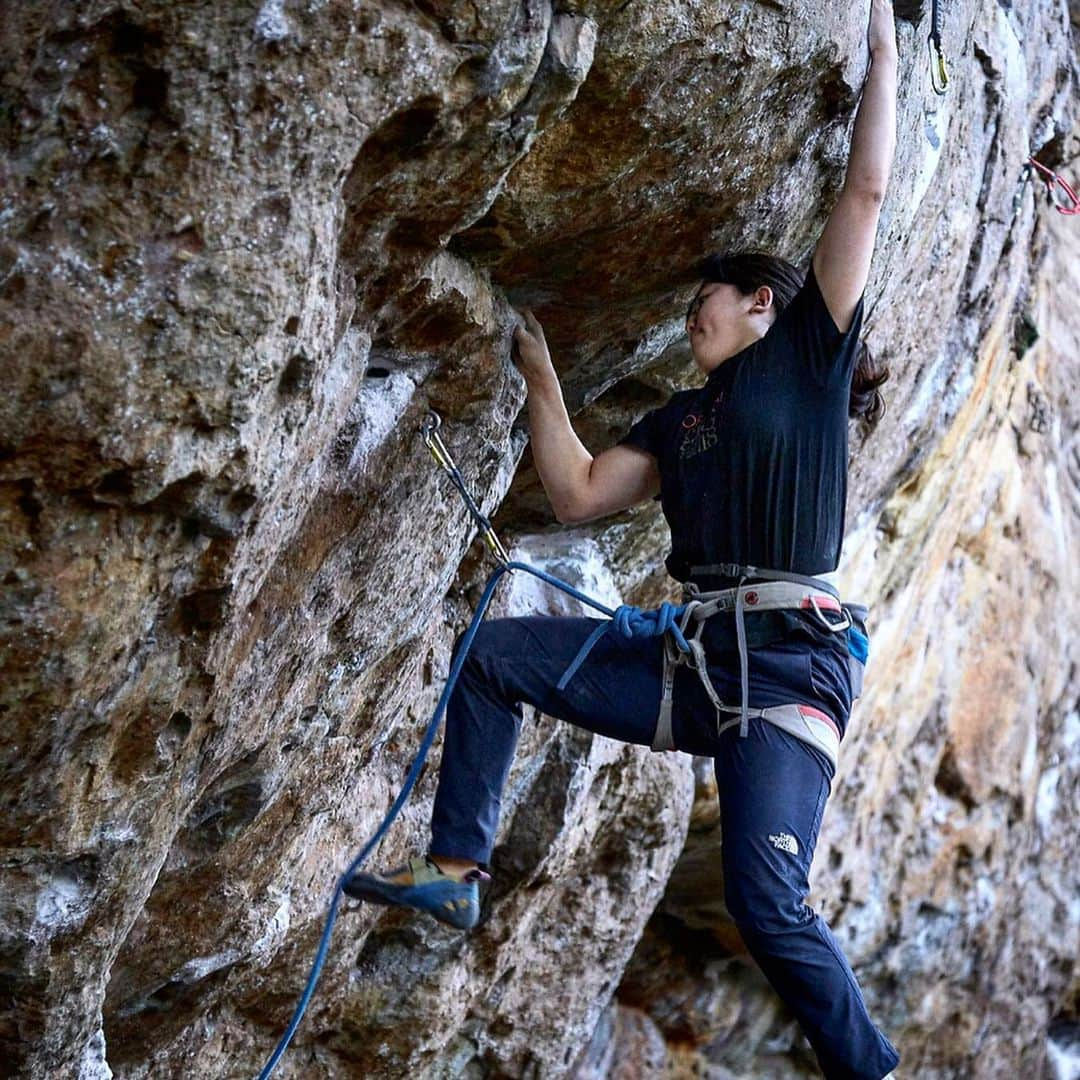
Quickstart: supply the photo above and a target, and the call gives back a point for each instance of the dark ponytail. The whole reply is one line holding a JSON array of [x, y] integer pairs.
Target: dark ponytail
[[867, 403], [749, 270]]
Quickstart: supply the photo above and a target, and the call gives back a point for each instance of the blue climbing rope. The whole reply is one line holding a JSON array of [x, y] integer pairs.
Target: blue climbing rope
[[625, 620], [631, 622]]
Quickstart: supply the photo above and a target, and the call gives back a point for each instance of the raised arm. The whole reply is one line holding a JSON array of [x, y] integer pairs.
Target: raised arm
[[579, 486], [842, 258]]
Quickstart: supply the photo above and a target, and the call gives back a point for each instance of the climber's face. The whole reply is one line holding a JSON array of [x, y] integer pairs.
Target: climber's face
[[707, 304], [721, 322]]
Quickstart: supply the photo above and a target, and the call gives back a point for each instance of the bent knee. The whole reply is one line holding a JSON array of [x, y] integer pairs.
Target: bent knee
[[488, 641], [757, 910]]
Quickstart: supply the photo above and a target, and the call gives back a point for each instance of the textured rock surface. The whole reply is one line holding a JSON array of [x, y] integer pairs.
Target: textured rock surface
[[244, 248]]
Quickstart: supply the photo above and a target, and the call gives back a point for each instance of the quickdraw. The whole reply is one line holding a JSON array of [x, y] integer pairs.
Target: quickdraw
[[1052, 181], [430, 431], [939, 75]]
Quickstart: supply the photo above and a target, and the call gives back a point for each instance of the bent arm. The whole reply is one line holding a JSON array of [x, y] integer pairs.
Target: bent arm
[[579, 486]]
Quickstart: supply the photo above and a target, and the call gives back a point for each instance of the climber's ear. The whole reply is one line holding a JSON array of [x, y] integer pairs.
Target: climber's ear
[[842, 258]]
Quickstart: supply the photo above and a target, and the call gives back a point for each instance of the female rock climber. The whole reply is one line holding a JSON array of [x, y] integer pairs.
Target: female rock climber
[[751, 470]]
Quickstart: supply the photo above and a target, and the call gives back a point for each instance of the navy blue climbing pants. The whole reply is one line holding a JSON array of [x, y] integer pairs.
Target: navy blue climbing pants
[[772, 789]]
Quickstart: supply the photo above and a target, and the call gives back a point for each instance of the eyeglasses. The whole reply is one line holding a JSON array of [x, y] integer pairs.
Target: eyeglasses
[[696, 304]]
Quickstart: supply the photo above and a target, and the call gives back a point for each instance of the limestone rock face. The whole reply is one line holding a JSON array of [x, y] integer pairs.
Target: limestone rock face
[[244, 249]]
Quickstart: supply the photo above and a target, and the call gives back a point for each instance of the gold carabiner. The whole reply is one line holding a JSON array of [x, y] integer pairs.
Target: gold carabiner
[[939, 75], [429, 428], [495, 546]]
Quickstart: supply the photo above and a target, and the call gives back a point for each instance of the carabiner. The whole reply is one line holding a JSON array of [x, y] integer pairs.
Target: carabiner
[[939, 75], [835, 627], [429, 429], [495, 545]]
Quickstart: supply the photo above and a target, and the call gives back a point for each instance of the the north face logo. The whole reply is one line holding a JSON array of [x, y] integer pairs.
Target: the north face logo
[[785, 842]]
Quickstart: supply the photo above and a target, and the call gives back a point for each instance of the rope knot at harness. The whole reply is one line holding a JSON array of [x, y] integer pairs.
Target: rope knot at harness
[[632, 622]]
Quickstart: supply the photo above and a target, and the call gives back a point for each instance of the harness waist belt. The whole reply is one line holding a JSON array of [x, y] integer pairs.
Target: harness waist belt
[[776, 591], [779, 590]]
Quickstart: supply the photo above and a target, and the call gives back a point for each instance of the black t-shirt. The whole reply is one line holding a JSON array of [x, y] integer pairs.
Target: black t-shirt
[[753, 465]]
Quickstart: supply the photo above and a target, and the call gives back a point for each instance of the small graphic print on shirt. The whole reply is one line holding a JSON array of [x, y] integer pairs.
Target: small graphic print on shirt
[[785, 842], [699, 431]]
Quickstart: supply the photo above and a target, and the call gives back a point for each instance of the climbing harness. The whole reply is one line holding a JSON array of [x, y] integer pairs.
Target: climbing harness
[[778, 590], [939, 75], [758, 590], [1052, 179]]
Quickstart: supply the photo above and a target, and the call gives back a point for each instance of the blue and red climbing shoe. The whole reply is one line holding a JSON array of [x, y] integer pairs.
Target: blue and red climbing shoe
[[420, 884]]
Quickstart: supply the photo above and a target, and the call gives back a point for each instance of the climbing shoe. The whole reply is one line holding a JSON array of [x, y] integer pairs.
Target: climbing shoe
[[420, 884]]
